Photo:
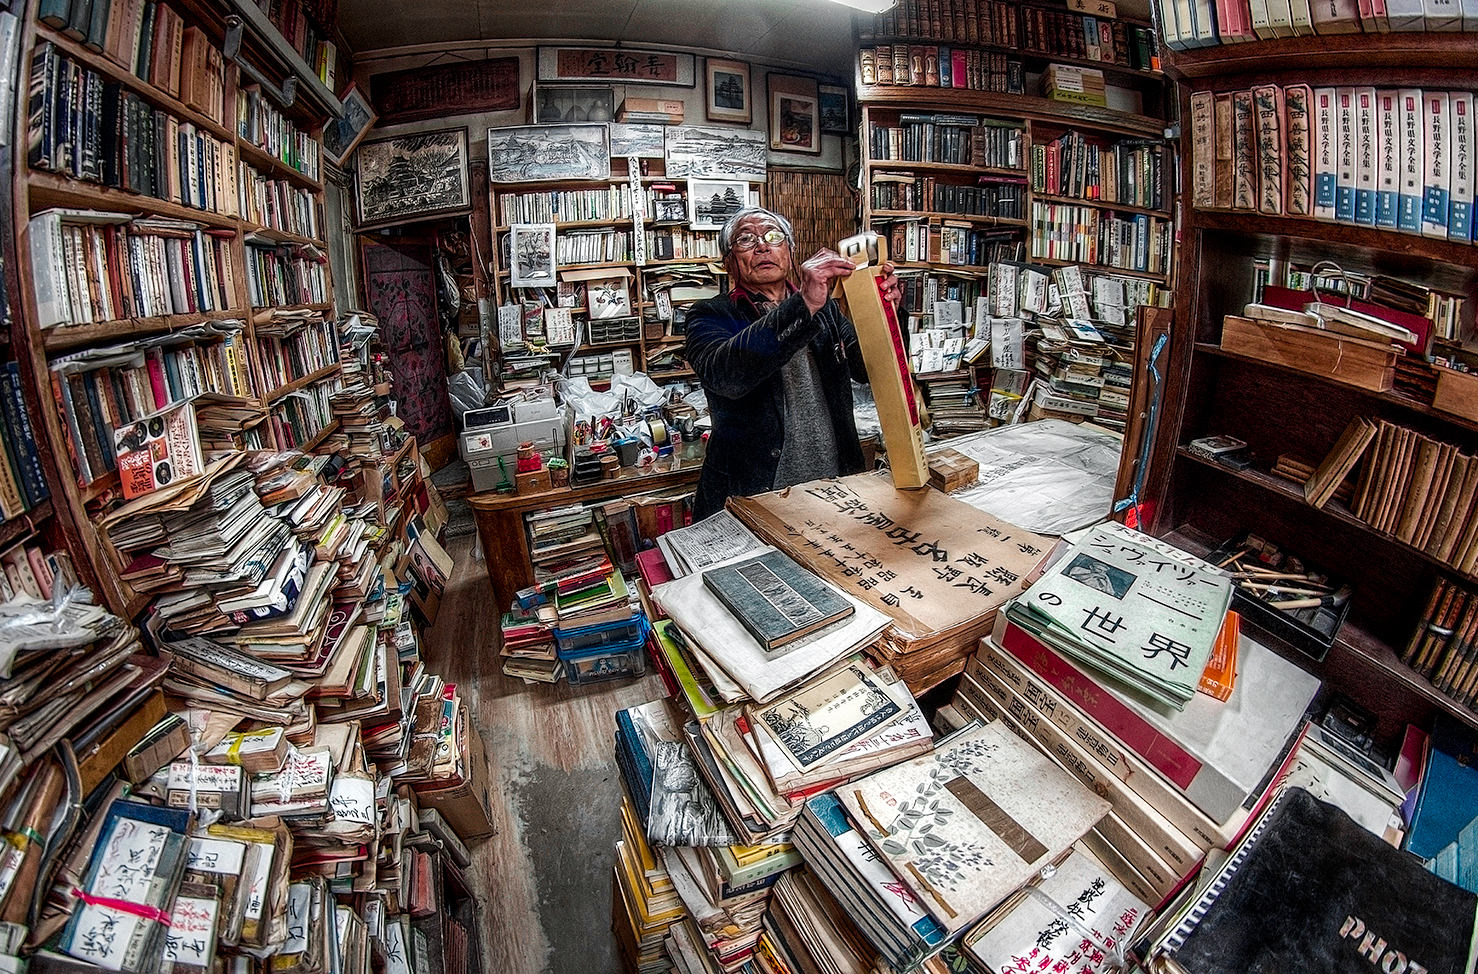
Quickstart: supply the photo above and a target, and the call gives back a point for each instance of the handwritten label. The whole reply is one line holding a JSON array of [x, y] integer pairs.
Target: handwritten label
[[352, 799], [299, 900], [192, 932], [1005, 343], [396, 960], [223, 857]]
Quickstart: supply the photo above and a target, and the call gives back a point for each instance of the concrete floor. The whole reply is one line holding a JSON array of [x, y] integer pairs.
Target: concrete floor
[[544, 880]]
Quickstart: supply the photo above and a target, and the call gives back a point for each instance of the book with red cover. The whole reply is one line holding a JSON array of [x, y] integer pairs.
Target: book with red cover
[[1218, 754], [1290, 299]]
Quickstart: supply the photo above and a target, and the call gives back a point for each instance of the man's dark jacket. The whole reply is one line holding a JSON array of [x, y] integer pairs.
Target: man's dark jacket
[[739, 356]]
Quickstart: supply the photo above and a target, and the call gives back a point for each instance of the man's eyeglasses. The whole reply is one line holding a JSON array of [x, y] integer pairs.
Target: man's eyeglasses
[[750, 240]]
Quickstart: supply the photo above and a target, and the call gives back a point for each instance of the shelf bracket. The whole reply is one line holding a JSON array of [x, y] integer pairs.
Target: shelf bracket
[[283, 94]]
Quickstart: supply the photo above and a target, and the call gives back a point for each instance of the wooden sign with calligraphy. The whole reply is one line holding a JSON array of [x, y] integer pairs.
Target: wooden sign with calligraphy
[[446, 89], [615, 64], [938, 567]]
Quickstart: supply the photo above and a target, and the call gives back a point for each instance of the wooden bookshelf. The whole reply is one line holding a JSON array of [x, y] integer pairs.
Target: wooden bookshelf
[[638, 280], [1004, 105], [75, 507], [1408, 50], [1039, 121], [1279, 410]]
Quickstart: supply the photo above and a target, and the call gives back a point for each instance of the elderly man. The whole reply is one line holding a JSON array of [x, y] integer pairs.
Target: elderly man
[[775, 355]]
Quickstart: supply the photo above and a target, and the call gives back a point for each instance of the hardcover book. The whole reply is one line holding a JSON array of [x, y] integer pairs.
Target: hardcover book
[[1326, 147], [975, 820], [1460, 197], [1298, 189], [1435, 188], [1353, 903], [777, 600]]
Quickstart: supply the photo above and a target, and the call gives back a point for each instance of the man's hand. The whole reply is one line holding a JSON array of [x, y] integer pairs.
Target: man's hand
[[818, 273], [892, 288]]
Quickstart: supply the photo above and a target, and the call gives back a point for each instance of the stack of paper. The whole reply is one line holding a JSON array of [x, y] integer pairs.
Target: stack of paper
[[1130, 606]]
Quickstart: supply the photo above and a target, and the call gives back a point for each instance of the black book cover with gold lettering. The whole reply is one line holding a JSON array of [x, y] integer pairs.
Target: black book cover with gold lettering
[[1311, 891]]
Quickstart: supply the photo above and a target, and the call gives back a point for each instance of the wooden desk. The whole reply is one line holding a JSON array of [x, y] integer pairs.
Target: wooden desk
[[500, 525]]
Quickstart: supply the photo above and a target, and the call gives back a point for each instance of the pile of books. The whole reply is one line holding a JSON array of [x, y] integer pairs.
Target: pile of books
[[1131, 607], [1083, 86]]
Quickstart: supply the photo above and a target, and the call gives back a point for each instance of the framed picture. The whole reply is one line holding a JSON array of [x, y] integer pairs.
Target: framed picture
[[412, 177], [795, 125], [607, 297], [641, 139], [728, 91], [341, 135], [712, 201], [529, 153], [610, 64], [835, 109], [531, 255], [557, 103], [715, 152]]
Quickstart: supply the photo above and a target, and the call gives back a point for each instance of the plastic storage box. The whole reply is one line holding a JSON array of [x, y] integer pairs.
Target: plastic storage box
[[606, 634], [607, 660]]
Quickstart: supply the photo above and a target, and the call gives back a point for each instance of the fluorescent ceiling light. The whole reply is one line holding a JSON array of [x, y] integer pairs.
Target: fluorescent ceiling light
[[868, 6]]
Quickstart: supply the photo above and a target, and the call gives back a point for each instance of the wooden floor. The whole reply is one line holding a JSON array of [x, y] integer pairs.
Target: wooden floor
[[544, 879]]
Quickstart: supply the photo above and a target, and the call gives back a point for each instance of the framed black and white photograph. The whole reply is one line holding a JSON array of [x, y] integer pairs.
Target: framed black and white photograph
[[795, 125], [530, 153], [835, 109], [728, 92], [715, 152], [341, 135], [531, 255], [643, 140], [712, 201], [413, 177], [560, 103]]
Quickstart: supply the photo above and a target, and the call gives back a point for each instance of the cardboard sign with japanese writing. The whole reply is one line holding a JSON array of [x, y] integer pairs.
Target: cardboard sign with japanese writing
[[934, 565]]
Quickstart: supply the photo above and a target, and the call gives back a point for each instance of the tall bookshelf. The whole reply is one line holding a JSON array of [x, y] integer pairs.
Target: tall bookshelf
[[604, 209], [255, 203], [1282, 410]]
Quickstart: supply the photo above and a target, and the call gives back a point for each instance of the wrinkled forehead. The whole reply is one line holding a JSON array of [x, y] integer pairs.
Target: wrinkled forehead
[[757, 224]]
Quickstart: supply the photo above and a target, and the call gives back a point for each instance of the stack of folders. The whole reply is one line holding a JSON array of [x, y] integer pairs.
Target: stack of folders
[[1131, 607]]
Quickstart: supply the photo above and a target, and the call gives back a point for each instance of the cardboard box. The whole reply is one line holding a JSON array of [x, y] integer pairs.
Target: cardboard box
[[467, 804], [950, 470]]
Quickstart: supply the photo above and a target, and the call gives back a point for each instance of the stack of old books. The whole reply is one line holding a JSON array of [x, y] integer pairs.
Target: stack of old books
[[1130, 607], [918, 852]]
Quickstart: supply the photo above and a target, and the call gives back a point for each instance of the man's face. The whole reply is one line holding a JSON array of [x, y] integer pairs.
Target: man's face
[[764, 263]]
